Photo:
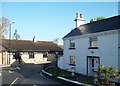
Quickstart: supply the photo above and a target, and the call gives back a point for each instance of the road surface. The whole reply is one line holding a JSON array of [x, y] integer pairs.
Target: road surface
[[24, 75]]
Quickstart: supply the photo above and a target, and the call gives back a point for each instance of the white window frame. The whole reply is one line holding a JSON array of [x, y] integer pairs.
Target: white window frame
[[93, 41], [72, 43], [72, 60]]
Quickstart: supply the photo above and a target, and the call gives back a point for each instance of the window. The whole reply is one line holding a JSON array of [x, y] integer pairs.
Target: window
[[93, 42], [13, 55], [72, 44], [45, 54], [72, 60], [31, 55]]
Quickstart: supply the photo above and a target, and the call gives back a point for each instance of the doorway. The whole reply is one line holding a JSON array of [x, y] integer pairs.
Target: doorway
[[92, 65]]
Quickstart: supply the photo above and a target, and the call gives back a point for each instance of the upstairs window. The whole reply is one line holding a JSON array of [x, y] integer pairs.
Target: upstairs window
[[72, 60], [72, 44], [93, 42]]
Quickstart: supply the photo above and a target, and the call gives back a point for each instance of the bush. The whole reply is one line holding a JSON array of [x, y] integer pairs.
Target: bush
[[104, 74]]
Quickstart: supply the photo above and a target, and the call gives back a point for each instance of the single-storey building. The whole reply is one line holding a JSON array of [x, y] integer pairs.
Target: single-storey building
[[89, 45], [31, 51]]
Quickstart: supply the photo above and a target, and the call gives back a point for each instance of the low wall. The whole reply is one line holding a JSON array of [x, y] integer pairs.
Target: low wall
[[64, 81]]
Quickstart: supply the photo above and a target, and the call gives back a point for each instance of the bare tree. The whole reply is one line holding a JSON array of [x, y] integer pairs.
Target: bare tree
[[4, 23], [16, 35], [56, 40]]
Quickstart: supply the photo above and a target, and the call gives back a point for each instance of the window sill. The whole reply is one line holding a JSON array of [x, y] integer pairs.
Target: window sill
[[93, 48], [71, 48], [72, 64]]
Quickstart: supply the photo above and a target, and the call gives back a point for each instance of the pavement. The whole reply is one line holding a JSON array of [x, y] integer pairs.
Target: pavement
[[4, 66]]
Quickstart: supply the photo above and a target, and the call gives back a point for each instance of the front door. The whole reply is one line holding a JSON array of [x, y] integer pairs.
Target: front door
[[92, 64]]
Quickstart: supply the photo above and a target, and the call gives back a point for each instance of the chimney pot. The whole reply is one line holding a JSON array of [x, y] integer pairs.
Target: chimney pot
[[81, 16], [79, 20]]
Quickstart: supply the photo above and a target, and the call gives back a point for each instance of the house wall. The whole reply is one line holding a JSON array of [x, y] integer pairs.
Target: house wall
[[25, 56], [12, 60], [51, 57], [61, 62], [107, 51], [119, 50], [38, 58], [0, 57], [66, 54], [5, 57], [80, 54], [0, 54], [82, 46]]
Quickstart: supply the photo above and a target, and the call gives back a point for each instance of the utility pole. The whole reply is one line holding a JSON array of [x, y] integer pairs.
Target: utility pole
[[8, 60]]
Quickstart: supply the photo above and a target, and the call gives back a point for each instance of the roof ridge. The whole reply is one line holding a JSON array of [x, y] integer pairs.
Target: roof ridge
[[107, 24], [99, 21], [27, 40]]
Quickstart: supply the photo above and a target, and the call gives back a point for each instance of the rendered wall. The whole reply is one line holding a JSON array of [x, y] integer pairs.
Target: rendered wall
[[108, 50]]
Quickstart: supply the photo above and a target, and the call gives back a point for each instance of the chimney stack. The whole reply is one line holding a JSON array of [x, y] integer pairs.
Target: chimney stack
[[79, 20], [34, 40]]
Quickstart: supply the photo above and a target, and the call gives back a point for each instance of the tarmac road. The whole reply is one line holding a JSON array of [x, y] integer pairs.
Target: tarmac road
[[26, 74]]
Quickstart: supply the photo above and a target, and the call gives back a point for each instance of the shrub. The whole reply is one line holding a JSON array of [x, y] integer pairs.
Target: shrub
[[104, 74]]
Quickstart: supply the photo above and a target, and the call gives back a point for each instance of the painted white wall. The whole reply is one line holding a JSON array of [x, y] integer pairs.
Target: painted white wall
[[25, 56], [81, 54], [12, 60], [38, 57], [67, 54], [108, 48], [0, 58], [108, 52], [119, 50], [60, 62]]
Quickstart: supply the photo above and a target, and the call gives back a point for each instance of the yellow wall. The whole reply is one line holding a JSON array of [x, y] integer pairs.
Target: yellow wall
[[0, 57], [38, 58]]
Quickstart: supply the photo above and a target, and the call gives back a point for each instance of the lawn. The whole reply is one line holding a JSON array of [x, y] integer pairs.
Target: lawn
[[78, 77]]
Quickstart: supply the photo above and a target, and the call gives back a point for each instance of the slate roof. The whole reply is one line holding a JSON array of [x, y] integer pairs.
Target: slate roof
[[61, 46], [26, 45], [112, 23], [2, 48]]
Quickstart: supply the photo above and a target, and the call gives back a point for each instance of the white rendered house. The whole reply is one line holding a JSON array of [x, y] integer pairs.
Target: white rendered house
[[92, 44]]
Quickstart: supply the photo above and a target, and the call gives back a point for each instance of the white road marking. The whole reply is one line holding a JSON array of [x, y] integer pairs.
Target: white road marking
[[14, 81], [18, 68], [0, 74], [10, 71], [48, 78], [34, 85]]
